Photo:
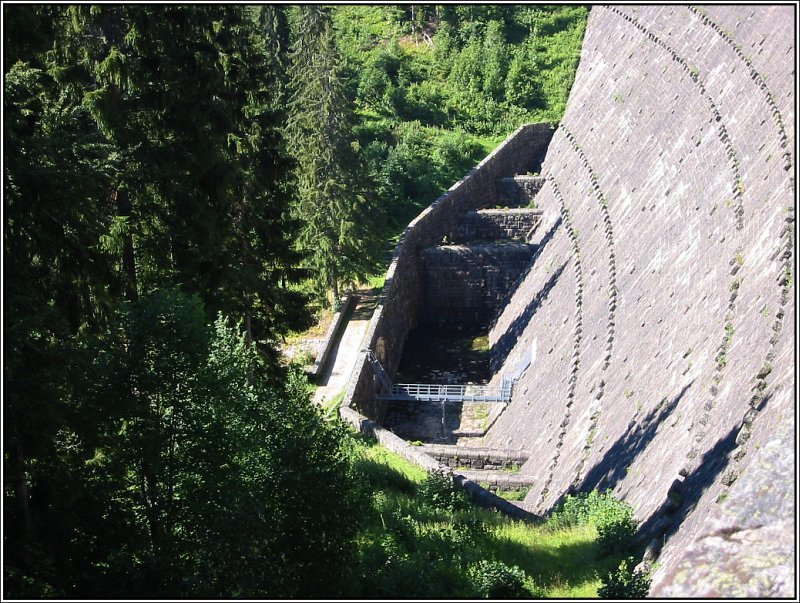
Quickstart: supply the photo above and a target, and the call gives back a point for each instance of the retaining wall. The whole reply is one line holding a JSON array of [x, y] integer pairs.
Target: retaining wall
[[518, 191], [476, 458], [464, 284], [498, 224], [479, 495]]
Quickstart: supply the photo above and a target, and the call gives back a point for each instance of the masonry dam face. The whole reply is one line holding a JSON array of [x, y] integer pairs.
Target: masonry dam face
[[649, 321]]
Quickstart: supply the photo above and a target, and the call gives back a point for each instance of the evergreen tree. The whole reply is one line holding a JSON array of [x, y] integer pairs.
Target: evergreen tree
[[338, 220], [56, 279], [144, 150], [190, 96]]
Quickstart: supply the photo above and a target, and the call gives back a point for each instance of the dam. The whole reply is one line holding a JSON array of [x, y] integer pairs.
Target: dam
[[646, 311]]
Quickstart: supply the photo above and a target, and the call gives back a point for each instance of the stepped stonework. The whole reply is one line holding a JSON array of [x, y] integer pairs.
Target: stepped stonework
[[653, 324]]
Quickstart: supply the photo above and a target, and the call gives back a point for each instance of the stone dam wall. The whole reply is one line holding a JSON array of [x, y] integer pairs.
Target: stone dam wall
[[464, 284], [659, 305], [661, 301], [496, 224]]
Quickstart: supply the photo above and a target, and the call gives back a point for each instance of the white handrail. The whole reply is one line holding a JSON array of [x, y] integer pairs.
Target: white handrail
[[430, 392]]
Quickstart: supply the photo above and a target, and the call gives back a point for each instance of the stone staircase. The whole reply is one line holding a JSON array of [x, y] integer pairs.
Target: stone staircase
[[466, 276], [494, 469]]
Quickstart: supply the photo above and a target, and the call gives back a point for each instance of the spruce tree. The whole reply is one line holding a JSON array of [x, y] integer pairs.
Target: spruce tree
[[339, 223], [191, 98]]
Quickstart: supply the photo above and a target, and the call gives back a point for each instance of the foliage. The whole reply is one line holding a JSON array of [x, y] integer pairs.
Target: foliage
[[198, 169], [496, 580], [612, 518], [625, 584], [513, 494], [439, 491], [182, 474], [145, 453], [412, 164], [338, 233], [149, 188], [410, 548], [428, 81]]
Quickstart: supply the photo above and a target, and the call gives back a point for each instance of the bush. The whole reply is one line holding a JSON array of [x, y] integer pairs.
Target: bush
[[613, 518], [615, 527], [496, 580], [625, 584], [439, 491]]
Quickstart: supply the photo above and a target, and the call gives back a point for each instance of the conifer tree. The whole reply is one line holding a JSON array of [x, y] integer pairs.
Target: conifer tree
[[133, 464], [190, 96], [338, 220]]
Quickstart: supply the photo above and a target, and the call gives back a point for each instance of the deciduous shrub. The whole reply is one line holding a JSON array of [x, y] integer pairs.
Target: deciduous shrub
[[496, 580], [438, 490], [624, 583], [613, 518]]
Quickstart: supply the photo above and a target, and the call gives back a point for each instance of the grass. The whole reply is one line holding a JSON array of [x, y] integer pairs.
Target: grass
[[376, 282], [513, 494], [563, 561], [411, 548], [322, 320], [488, 143], [480, 343], [330, 408]]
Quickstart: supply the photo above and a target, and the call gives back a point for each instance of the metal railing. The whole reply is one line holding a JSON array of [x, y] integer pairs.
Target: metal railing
[[428, 392], [432, 392]]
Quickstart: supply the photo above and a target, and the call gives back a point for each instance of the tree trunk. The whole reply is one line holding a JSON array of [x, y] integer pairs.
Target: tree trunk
[[23, 498], [334, 286], [128, 256]]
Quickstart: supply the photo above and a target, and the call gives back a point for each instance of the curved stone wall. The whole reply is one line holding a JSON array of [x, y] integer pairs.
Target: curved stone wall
[[661, 301]]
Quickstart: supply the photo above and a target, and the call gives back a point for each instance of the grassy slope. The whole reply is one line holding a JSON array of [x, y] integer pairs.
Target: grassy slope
[[562, 563]]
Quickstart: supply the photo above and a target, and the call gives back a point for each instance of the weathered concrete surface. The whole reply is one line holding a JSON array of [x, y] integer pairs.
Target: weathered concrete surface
[[476, 458], [326, 349], [661, 301], [743, 549]]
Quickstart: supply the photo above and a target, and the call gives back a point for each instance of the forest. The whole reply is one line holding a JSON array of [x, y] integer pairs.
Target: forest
[[185, 185]]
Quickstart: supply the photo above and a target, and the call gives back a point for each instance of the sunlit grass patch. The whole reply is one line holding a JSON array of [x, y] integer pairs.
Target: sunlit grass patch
[[417, 541]]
